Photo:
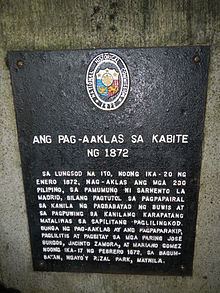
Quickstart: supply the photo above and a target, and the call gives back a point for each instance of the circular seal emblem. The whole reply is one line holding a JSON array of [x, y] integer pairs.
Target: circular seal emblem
[[107, 81]]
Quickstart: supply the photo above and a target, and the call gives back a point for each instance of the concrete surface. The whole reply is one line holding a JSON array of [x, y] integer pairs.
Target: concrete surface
[[57, 24]]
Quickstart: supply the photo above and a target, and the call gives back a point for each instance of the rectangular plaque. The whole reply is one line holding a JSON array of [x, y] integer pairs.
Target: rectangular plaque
[[110, 144]]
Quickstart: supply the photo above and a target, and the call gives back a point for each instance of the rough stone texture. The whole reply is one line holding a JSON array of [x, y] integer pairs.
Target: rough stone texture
[[69, 24]]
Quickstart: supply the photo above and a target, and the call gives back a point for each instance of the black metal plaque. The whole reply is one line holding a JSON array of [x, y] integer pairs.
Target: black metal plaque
[[110, 144]]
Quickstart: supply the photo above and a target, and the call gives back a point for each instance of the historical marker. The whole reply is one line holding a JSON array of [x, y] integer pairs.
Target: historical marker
[[110, 144]]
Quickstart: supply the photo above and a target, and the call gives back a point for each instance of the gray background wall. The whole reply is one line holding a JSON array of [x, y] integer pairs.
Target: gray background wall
[[66, 24]]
